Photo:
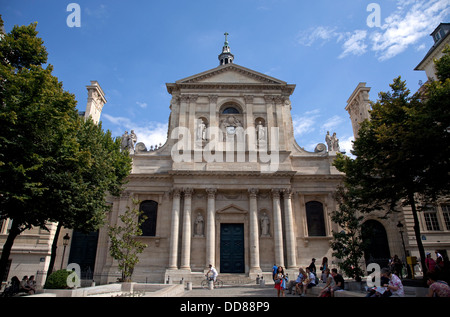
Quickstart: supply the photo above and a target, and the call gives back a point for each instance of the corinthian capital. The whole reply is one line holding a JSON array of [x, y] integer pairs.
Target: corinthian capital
[[287, 192], [252, 192], [276, 193], [188, 192], [211, 192]]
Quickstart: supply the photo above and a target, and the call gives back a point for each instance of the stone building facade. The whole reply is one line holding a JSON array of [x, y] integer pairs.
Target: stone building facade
[[231, 187]]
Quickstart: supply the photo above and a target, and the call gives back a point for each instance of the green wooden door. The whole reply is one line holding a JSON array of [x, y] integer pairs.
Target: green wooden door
[[232, 248]]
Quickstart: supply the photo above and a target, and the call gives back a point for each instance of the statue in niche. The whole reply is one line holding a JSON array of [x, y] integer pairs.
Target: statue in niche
[[265, 225], [260, 132], [199, 226], [201, 130]]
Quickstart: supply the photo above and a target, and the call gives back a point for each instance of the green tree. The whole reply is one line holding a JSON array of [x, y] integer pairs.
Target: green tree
[[402, 152], [100, 169], [35, 113], [54, 166], [124, 247], [347, 244]]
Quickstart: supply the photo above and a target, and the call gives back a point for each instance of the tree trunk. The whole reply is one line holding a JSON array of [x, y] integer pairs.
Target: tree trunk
[[6, 252], [417, 232], [53, 254]]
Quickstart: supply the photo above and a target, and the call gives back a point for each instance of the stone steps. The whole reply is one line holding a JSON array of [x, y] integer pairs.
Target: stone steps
[[231, 279]]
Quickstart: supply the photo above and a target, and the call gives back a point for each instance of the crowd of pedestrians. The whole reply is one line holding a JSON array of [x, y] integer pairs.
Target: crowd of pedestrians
[[26, 286], [308, 278]]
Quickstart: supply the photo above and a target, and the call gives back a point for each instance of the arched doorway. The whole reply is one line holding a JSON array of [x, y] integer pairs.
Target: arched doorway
[[377, 250]]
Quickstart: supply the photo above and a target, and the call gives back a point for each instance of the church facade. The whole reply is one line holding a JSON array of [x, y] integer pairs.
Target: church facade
[[231, 187]]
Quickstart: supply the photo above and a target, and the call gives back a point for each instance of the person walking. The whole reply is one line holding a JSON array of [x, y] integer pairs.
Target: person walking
[[323, 268], [280, 282]]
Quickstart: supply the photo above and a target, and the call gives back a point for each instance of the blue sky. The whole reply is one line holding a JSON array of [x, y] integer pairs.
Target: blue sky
[[133, 48]]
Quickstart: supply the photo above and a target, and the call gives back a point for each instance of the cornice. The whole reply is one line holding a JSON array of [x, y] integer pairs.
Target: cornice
[[286, 89], [255, 174]]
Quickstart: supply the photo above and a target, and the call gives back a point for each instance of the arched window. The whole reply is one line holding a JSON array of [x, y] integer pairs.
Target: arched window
[[315, 219], [149, 208], [230, 110]]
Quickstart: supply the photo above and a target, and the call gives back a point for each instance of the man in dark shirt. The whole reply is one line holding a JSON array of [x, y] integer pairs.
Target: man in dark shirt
[[339, 280], [312, 266]]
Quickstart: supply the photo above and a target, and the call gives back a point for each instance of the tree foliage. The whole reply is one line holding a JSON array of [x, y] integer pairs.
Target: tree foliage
[[123, 244], [54, 165], [403, 151], [347, 244]]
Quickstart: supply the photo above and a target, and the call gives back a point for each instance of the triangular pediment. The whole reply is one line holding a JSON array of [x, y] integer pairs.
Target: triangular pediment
[[231, 209], [232, 74]]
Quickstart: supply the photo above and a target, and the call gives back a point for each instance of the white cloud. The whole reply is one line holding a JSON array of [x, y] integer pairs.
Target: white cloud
[[346, 144], [143, 105], [332, 123], [354, 43], [310, 36], [306, 123], [154, 133], [412, 21]]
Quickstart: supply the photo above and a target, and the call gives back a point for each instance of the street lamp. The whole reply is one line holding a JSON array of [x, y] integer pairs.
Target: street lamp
[[400, 229], [66, 239]]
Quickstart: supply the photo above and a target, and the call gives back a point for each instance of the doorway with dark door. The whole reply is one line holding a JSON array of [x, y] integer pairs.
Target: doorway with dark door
[[377, 249], [232, 255], [83, 252]]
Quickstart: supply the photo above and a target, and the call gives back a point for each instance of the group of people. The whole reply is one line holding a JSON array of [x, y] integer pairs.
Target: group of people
[[437, 275], [307, 278], [27, 285], [440, 266]]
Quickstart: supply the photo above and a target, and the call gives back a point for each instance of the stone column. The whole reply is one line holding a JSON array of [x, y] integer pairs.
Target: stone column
[[191, 120], [213, 135], [277, 228], [290, 235], [211, 227], [186, 239], [280, 122], [254, 236], [250, 124], [270, 119], [184, 99], [213, 122], [173, 258]]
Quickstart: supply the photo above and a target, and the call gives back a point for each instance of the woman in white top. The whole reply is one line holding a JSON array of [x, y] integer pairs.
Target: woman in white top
[[395, 284]]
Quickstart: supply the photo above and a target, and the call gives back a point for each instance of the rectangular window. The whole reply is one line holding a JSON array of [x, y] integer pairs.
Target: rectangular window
[[315, 219], [431, 219], [446, 213]]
